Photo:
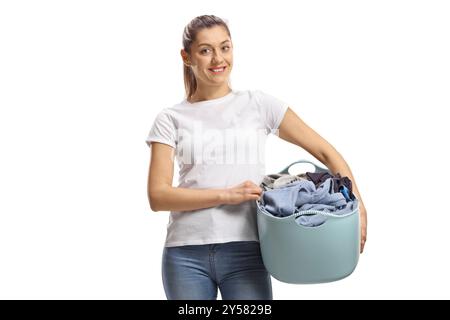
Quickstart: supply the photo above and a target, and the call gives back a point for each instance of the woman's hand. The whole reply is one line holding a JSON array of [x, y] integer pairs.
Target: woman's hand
[[363, 221], [245, 191]]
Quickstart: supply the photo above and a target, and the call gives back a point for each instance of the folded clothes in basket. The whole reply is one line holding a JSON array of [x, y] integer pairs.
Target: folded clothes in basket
[[341, 184], [310, 191]]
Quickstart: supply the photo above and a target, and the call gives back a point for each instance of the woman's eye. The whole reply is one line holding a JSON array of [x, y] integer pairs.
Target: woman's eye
[[206, 49]]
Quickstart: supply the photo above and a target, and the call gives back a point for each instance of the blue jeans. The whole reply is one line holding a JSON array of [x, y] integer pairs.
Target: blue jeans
[[196, 271]]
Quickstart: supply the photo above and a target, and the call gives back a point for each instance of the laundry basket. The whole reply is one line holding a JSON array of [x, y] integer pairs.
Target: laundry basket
[[294, 253]]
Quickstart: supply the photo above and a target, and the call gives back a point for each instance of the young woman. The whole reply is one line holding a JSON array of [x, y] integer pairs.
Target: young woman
[[212, 237]]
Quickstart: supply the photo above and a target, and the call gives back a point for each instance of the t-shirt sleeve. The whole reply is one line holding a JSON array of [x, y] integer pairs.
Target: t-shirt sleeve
[[162, 130], [272, 110]]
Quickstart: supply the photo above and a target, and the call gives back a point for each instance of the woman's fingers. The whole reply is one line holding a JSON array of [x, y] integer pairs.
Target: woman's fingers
[[255, 190]]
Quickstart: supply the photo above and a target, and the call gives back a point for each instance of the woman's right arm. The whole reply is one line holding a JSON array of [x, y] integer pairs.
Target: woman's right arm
[[163, 197]]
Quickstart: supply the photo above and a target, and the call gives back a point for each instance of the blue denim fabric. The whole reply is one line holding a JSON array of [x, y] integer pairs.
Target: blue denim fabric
[[303, 195], [318, 219], [197, 271]]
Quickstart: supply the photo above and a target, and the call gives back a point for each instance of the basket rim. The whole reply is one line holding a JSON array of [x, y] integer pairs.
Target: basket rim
[[261, 210]]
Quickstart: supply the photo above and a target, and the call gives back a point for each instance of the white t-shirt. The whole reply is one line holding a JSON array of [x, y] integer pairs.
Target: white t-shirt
[[218, 143]]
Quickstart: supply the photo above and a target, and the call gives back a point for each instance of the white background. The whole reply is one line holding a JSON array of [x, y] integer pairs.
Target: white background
[[81, 83]]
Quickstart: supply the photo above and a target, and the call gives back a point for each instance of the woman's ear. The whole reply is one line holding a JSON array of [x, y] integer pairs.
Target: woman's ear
[[185, 57]]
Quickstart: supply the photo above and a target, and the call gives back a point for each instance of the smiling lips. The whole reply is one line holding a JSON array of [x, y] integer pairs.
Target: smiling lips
[[217, 70]]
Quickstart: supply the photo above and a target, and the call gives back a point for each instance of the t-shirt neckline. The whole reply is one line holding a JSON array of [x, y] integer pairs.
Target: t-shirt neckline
[[208, 102]]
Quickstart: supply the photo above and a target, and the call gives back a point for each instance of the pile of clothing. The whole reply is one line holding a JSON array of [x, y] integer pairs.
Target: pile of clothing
[[286, 194]]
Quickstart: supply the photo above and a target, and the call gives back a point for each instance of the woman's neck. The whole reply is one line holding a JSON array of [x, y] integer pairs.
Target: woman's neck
[[209, 94]]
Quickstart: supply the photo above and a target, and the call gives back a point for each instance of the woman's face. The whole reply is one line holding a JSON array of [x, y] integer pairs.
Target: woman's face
[[212, 50]]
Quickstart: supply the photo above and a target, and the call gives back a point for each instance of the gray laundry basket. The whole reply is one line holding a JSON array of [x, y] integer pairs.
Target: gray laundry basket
[[296, 254]]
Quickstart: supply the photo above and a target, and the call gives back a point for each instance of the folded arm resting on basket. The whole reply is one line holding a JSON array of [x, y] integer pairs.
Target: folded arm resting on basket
[[294, 130]]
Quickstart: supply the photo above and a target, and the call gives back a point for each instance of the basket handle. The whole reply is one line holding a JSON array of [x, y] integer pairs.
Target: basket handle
[[316, 167]]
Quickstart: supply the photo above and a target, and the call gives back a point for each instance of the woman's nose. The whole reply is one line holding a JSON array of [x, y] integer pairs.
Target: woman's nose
[[217, 58]]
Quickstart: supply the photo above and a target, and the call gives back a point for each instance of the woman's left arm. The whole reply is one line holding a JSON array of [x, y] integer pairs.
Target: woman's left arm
[[294, 130]]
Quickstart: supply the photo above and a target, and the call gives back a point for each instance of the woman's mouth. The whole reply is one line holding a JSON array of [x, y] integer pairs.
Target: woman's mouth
[[217, 70]]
